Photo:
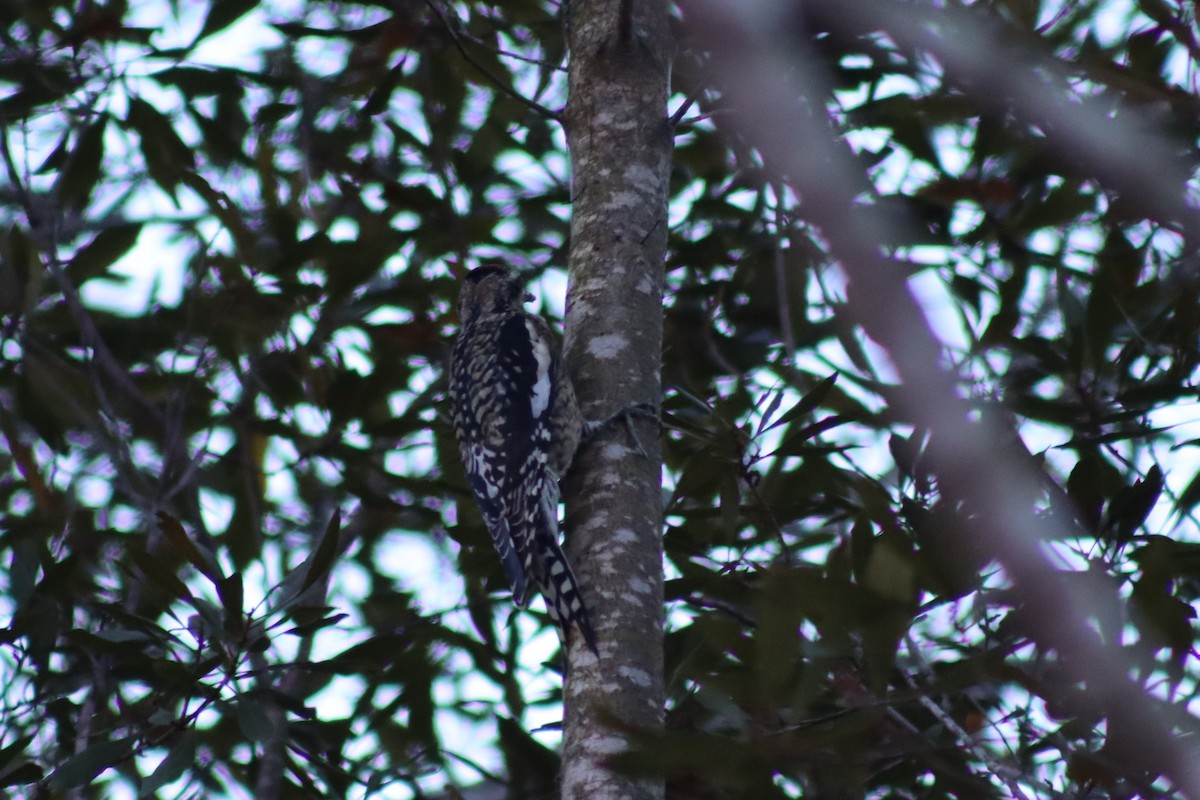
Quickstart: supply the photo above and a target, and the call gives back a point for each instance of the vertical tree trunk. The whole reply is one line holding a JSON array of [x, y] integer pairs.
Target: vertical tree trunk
[[620, 144]]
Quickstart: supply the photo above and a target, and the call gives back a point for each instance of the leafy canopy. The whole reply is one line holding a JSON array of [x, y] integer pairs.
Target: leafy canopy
[[238, 549]]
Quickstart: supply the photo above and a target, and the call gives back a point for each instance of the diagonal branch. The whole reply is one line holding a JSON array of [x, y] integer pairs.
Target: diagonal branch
[[972, 464], [503, 86]]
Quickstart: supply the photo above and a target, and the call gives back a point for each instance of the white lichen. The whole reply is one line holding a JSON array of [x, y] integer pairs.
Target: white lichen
[[608, 346]]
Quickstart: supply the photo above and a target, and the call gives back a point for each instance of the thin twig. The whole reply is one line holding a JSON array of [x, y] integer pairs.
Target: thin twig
[[1001, 771], [500, 51], [499, 84], [781, 284], [688, 102]]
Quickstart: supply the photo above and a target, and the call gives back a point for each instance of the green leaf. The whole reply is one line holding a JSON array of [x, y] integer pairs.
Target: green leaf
[[906, 453], [201, 560], [24, 568], [82, 171], [1087, 488], [158, 574], [1130, 507], [378, 652], [309, 628], [807, 403], [255, 714], [83, 767], [1166, 620], [1063, 205], [13, 750], [168, 159], [889, 571], [41, 87], [1025, 12], [173, 766], [315, 568], [57, 158], [222, 14], [200, 81], [795, 442], [210, 615], [21, 774], [230, 591], [1148, 51], [95, 257], [327, 549], [1190, 496]]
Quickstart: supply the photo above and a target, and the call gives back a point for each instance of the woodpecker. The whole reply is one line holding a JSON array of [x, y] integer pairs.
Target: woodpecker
[[518, 426]]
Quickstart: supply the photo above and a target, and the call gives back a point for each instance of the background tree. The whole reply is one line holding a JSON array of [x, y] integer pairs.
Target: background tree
[[231, 514]]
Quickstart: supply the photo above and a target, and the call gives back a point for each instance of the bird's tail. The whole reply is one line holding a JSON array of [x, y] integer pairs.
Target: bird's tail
[[560, 587]]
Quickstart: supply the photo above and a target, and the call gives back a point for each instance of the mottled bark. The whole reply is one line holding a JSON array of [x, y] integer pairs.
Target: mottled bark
[[620, 145]]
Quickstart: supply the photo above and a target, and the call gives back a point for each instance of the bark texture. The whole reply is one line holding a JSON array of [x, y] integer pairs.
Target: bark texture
[[620, 143]]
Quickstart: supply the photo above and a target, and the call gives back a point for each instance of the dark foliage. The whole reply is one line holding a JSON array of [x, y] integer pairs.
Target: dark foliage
[[231, 514]]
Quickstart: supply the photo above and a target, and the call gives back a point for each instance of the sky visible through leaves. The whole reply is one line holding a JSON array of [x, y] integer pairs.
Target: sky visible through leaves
[[151, 275]]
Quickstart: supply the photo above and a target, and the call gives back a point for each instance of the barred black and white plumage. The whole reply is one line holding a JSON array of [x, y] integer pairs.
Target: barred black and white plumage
[[518, 426]]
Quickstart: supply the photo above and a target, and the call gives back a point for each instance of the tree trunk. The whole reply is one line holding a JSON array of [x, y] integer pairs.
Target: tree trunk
[[620, 143]]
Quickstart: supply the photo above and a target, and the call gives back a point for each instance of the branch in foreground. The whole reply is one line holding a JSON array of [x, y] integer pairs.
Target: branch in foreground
[[752, 56]]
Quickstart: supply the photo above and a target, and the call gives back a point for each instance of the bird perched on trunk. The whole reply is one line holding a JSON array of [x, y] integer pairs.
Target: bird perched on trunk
[[518, 426]]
